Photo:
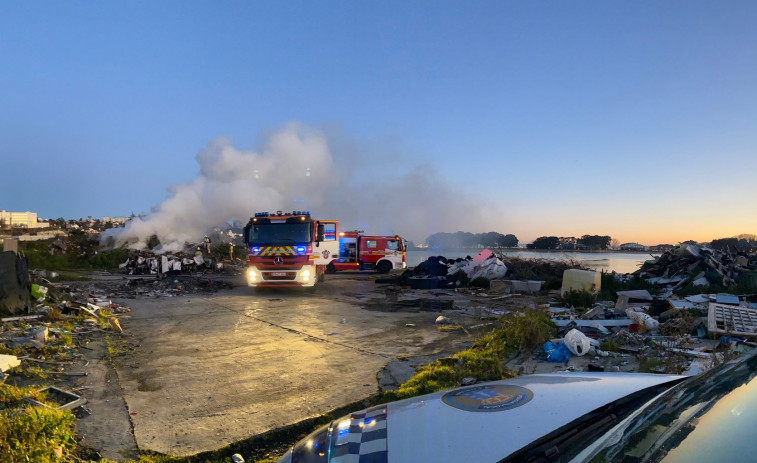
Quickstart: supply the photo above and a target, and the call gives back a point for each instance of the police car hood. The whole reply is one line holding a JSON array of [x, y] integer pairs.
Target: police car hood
[[488, 422]]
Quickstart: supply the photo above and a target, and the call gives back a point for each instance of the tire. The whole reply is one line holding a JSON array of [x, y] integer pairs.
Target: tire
[[330, 268], [384, 266]]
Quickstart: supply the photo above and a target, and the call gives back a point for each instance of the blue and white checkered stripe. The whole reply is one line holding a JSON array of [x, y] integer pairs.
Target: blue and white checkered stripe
[[364, 441]]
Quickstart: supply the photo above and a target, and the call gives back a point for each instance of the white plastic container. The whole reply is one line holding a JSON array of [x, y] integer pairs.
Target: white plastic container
[[578, 280]]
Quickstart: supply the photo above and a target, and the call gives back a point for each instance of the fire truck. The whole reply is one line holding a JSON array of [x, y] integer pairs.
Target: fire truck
[[367, 252], [289, 249]]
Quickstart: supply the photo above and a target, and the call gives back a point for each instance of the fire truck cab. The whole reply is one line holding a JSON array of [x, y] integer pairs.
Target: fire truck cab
[[367, 252], [289, 249]]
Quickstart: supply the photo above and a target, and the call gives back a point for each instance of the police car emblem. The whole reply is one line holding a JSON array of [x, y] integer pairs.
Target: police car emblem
[[490, 398]]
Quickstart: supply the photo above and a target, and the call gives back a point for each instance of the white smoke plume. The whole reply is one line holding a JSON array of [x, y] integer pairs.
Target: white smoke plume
[[301, 168]]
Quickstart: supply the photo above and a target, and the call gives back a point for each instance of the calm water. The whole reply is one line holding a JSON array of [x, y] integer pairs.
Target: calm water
[[621, 262]]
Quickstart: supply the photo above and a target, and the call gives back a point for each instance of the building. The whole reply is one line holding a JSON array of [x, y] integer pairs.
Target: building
[[632, 247], [116, 220], [21, 219]]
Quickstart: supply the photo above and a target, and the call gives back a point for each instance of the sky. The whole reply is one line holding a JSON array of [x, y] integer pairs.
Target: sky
[[636, 120]]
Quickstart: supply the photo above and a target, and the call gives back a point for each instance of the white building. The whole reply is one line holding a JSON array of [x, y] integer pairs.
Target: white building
[[116, 220], [21, 219]]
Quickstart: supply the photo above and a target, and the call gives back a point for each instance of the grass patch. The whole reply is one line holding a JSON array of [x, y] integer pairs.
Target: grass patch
[[31, 433], [450, 328], [608, 344], [483, 360], [580, 299], [611, 286]]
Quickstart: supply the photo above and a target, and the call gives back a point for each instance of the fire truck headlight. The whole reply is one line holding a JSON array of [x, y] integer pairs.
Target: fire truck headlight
[[252, 275], [305, 274]]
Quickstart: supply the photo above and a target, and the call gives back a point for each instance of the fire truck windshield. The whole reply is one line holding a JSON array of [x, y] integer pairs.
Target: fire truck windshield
[[273, 233]]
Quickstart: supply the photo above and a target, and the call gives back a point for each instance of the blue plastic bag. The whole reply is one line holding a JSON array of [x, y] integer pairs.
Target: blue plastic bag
[[557, 353]]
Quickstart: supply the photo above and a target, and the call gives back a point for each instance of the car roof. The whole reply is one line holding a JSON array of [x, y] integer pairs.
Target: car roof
[[493, 420]]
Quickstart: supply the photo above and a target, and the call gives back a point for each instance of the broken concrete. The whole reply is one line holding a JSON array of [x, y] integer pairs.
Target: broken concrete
[[15, 286]]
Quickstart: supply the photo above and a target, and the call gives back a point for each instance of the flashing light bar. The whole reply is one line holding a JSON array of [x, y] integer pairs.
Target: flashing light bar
[[268, 214]]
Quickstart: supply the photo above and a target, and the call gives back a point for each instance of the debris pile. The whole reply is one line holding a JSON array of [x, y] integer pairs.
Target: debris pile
[[698, 265], [179, 264], [523, 274]]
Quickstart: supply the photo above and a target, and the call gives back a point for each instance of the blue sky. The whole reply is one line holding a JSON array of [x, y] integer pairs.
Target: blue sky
[[634, 119]]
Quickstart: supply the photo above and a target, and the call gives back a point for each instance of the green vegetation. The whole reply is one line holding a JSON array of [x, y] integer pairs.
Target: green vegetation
[[746, 284], [580, 299], [611, 286], [483, 360], [608, 344], [31, 433], [77, 251]]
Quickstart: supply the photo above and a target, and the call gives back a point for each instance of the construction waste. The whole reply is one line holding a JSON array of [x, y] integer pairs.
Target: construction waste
[[487, 266], [672, 315], [180, 264], [699, 266], [15, 287]]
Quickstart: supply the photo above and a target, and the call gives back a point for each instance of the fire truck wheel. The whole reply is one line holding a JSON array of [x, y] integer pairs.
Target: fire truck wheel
[[384, 266], [330, 268]]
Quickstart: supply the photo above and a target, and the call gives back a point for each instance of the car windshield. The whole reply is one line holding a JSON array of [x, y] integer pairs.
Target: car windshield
[[706, 418], [274, 233]]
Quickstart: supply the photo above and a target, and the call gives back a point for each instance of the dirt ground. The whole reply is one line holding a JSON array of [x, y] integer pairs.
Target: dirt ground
[[194, 373]]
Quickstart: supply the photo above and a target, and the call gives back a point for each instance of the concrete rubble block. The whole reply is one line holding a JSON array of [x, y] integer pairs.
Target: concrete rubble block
[[15, 287], [8, 361], [499, 285], [41, 334]]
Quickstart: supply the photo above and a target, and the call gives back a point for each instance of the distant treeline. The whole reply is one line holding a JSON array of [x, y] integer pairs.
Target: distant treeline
[[593, 242], [471, 240]]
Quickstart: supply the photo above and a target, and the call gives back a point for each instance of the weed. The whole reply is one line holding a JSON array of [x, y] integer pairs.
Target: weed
[[29, 433], [483, 360], [609, 344], [450, 328], [578, 298], [54, 315], [527, 330]]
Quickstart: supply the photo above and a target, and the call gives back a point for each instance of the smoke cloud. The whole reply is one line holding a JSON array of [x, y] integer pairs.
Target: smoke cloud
[[301, 168]]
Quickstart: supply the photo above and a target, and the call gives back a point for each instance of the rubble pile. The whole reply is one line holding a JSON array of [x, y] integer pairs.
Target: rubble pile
[[698, 265], [180, 264], [440, 272], [45, 340]]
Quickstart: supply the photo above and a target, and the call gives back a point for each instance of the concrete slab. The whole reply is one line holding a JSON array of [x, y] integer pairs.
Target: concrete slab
[[207, 371], [8, 361]]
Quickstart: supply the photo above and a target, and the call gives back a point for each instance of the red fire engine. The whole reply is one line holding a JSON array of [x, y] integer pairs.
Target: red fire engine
[[289, 249], [366, 252]]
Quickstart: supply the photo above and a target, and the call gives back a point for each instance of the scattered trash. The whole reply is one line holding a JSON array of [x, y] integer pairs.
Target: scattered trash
[[646, 322], [577, 342], [580, 280], [556, 352], [442, 320], [66, 400]]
